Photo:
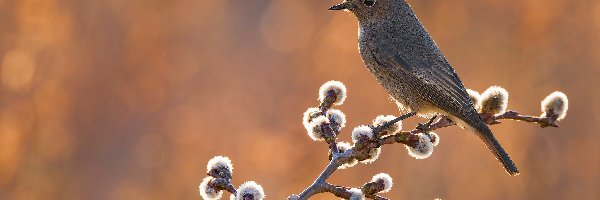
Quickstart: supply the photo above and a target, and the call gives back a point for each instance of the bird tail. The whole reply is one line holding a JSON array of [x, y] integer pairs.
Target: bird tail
[[483, 131]]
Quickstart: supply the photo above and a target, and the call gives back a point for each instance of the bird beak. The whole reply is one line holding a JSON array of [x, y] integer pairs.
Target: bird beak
[[341, 6]]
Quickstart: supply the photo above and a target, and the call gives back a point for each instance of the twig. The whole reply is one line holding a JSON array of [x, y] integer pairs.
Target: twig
[[330, 132], [319, 185], [374, 196], [544, 121]]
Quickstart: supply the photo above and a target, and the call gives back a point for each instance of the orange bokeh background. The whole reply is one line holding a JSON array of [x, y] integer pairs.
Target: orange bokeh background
[[129, 99]]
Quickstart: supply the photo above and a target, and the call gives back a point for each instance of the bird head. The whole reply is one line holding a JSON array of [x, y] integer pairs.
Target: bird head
[[366, 10]]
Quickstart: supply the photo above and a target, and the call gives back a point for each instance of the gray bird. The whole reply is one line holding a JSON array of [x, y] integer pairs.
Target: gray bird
[[405, 60]]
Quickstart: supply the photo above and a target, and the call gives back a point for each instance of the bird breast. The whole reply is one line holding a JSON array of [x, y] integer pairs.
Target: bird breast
[[391, 78]]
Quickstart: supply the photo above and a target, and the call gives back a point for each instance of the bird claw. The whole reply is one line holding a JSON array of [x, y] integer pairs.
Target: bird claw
[[494, 122], [424, 127]]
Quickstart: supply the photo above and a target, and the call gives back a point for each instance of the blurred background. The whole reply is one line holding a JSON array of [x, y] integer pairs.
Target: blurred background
[[129, 99]]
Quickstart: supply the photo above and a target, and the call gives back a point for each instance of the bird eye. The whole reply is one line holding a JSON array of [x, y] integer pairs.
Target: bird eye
[[369, 3]]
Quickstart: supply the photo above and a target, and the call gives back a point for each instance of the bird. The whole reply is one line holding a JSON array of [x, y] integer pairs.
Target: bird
[[406, 61]]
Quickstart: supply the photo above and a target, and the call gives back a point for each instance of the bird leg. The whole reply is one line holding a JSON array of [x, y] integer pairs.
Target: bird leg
[[378, 129], [424, 127]]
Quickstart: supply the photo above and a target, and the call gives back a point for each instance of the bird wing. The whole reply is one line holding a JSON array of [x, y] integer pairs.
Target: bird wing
[[434, 78], [436, 81]]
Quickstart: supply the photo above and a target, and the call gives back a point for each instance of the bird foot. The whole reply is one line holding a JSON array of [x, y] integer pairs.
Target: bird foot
[[424, 127], [380, 128]]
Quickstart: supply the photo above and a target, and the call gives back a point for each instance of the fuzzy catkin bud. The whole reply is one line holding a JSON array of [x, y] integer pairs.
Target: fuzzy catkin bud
[[342, 147], [220, 166], [386, 179], [338, 117], [422, 149], [250, 190], [365, 132], [372, 156], [356, 194], [309, 115], [362, 131], [494, 100], [383, 119], [207, 192], [475, 98], [316, 128], [337, 87], [557, 104]]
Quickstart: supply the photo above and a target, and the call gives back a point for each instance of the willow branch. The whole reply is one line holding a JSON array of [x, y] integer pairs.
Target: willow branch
[[409, 138], [406, 136], [330, 132], [374, 196], [544, 121], [319, 185]]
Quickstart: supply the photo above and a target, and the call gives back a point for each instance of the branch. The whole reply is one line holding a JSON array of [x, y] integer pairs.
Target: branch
[[330, 132], [376, 197], [409, 138], [369, 139], [343, 192], [325, 124], [319, 185], [544, 121]]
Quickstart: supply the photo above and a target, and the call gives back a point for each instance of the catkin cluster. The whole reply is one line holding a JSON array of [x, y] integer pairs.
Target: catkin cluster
[[220, 172], [494, 101], [324, 123]]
